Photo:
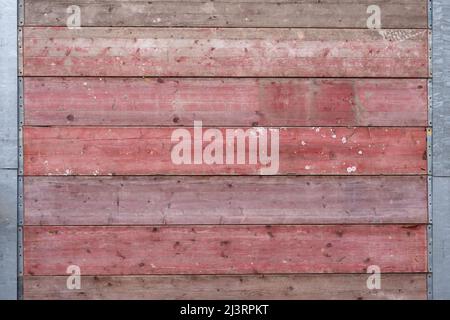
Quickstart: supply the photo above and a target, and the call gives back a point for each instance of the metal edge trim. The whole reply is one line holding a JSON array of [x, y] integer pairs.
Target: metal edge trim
[[21, 13], [430, 154]]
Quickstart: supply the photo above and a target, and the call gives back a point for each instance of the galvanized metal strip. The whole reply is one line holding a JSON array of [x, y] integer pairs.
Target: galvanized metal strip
[[430, 14], [430, 102], [440, 189], [21, 110], [441, 88], [20, 180], [20, 125], [8, 84], [430, 213], [8, 147], [8, 234], [21, 12], [20, 50], [20, 262], [441, 238]]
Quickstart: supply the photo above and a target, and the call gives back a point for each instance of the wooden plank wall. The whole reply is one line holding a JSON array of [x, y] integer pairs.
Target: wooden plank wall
[[102, 193]]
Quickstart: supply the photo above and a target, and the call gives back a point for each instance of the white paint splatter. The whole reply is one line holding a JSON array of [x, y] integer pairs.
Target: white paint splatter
[[351, 169], [344, 140]]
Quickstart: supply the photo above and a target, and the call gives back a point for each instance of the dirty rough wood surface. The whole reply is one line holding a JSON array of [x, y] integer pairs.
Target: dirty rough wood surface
[[135, 250], [145, 151], [101, 103], [243, 287], [242, 13], [225, 102], [225, 52], [224, 200]]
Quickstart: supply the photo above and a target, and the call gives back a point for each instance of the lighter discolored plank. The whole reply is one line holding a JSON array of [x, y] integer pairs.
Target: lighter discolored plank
[[133, 250], [225, 52], [146, 151], [272, 287], [229, 13], [225, 102], [224, 200]]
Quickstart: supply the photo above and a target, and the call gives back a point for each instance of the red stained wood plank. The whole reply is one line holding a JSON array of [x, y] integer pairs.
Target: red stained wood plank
[[144, 151], [224, 200], [227, 52], [229, 13], [243, 287], [225, 102], [224, 249]]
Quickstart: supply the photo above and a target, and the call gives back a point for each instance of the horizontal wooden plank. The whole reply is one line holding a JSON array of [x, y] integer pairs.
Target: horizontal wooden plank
[[227, 52], [132, 250], [243, 13], [225, 102], [224, 200], [244, 287], [145, 151]]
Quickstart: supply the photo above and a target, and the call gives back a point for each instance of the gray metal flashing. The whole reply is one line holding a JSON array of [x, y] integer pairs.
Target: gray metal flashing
[[8, 234], [430, 14], [440, 185], [441, 238], [20, 179], [8, 147], [430, 102], [430, 151], [8, 84], [20, 263], [20, 12], [20, 50], [21, 111], [441, 88], [20, 125]]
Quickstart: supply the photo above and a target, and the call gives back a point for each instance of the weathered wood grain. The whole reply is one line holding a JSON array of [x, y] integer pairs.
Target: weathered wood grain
[[244, 287], [242, 13], [227, 52], [224, 200], [132, 250], [225, 102], [145, 151]]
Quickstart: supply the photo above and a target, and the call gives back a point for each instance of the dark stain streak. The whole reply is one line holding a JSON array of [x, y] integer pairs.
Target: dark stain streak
[[120, 255]]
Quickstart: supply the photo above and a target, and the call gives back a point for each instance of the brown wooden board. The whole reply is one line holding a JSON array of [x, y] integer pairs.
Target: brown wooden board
[[242, 287], [224, 200], [234, 13]]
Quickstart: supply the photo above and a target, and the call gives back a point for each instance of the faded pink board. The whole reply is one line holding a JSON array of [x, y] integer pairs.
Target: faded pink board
[[225, 52], [225, 102], [224, 200], [147, 151], [224, 249]]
